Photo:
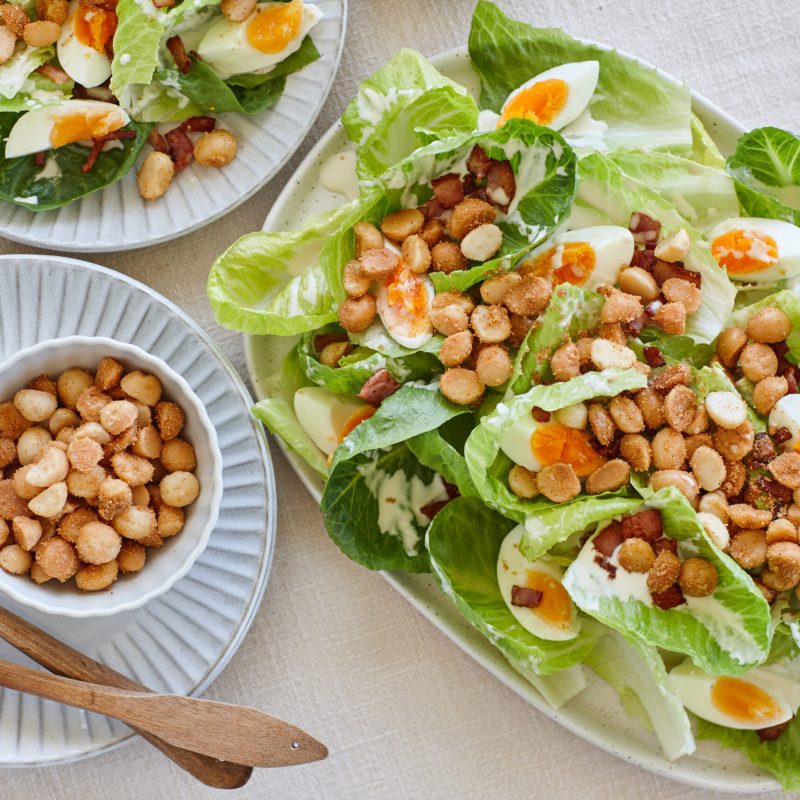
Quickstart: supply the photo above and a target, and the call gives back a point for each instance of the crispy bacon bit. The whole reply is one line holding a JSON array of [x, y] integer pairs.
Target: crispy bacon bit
[[763, 449], [157, 141], [653, 356], [451, 489], [634, 327], [377, 388], [39, 158], [181, 149], [540, 415], [177, 49], [664, 270], [433, 209], [79, 92], [501, 186], [447, 189], [430, 510], [651, 308], [610, 450], [525, 597], [670, 599], [607, 541], [478, 163], [645, 229], [665, 543], [777, 490], [605, 564], [791, 378], [644, 259], [781, 435], [773, 732], [644, 525], [322, 340], [198, 124], [99, 143], [55, 74]]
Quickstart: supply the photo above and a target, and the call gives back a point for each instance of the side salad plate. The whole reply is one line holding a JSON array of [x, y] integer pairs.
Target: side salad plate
[[125, 123], [526, 323]]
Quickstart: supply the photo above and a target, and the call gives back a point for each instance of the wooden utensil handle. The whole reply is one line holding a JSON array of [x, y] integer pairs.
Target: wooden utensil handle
[[61, 659]]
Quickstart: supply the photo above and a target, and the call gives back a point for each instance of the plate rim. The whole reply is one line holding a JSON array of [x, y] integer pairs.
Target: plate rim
[[260, 435], [655, 762], [168, 236]]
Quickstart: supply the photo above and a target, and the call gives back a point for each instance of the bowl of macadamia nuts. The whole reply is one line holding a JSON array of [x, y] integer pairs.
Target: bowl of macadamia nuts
[[110, 477]]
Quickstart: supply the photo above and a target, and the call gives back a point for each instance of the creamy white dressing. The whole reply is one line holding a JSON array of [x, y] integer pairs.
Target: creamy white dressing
[[338, 174], [33, 201], [372, 105], [726, 628], [487, 120], [51, 170], [399, 503], [125, 58]]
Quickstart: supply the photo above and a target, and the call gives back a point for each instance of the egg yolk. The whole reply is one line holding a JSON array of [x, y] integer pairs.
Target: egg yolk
[[742, 251], [539, 103], [408, 298], [743, 701], [274, 27], [354, 420], [82, 125], [555, 606], [570, 262], [95, 26], [553, 443]]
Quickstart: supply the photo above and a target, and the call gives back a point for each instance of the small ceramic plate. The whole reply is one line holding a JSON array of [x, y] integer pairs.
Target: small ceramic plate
[[596, 714], [117, 218], [180, 641]]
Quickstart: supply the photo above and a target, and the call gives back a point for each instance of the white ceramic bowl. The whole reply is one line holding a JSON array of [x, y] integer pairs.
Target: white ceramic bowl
[[166, 564]]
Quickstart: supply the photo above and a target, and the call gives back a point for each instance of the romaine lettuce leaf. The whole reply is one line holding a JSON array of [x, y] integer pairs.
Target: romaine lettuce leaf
[[37, 91], [140, 27], [727, 633], [463, 543], [612, 196], [16, 71], [556, 688], [639, 107], [434, 451], [704, 149]]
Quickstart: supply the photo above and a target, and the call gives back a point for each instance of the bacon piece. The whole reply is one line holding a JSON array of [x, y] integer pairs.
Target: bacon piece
[[79, 92], [603, 563], [55, 74], [452, 491], [664, 270], [525, 597], [178, 51], [670, 599], [777, 490], [540, 415], [645, 229], [432, 209], [430, 510], [157, 141], [643, 258], [99, 143], [181, 149], [377, 388], [198, 124], [651, 308], [607, 541], [447, 189], [782, 435], [110, 137], [501, 186], [39, 158], [791, 378], [478, 163], [634, 327], [610, 450], [773, 732], [763, 449], [665, 543], [644, 525], [653, 356]]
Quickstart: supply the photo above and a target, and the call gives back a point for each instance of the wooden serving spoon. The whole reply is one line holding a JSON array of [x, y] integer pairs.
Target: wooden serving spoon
[[61, 659]]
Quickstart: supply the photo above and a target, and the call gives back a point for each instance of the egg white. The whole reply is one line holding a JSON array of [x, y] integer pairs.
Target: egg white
[[581, 79], [513, 568], [322, 415], [83, 64], [786, 414], [31, 132], [787, 240], [693, 687], [226, 49]]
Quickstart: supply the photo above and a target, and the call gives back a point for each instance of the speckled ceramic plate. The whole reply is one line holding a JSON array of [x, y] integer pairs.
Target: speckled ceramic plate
[[116, 218], [180, 641], [596, 714]]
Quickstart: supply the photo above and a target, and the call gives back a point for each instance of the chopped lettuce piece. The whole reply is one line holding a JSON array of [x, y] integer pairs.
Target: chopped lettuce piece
[[16, 71], [464, 542], [704, 149], [140, 27], [639, 107]]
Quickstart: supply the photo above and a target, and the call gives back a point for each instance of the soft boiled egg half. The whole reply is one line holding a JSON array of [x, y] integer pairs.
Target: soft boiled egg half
[[554, 98], [327, 417], [586, 257], [269, 35], [82, 45], [554, 617], [562, 440], [55, 126], [755, 250], [753, 701]]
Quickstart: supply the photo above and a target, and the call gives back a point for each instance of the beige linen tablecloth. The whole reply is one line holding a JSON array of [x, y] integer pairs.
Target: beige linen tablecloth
[[405, 713]]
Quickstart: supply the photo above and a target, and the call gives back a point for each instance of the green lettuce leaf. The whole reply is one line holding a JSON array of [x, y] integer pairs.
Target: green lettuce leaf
[[704, 149], [489, 467], [37, 91], [556, 688], [463, 542], [613, 197], [639, 107], [726, 633], [140, 27], [434, 451], [16, 71]]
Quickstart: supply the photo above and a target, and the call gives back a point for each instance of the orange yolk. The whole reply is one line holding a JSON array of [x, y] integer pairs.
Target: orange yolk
[[742, 251], [553, 443], [354, 420], [94, 26], [555, 607], [83, 125], [576, 262], [743, 701], [539, 103], [407, 296], [274, 27]]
